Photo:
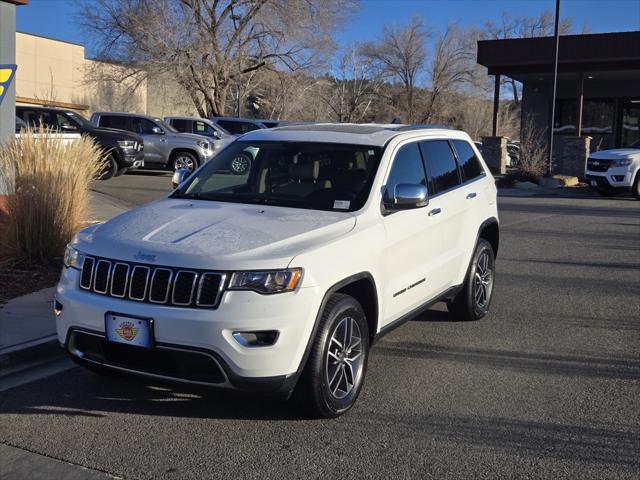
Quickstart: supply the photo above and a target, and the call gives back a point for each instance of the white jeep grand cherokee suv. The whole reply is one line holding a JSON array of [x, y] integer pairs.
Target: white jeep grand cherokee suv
[[285, 276]]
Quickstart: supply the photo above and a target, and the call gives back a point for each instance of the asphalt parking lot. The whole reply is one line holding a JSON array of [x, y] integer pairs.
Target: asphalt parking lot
[[547, 386]]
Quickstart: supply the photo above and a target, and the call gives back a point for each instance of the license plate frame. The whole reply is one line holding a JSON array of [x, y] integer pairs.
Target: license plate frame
[[134, 331]]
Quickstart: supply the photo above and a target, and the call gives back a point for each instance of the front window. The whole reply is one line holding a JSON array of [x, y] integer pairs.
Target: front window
[[319, 176], [78, 119]]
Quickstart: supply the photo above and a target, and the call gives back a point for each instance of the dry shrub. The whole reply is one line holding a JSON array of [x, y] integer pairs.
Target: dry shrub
[[534, 162], [52, 179]]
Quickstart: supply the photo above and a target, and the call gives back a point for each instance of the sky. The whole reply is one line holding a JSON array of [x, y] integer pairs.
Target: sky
[[58, 18]]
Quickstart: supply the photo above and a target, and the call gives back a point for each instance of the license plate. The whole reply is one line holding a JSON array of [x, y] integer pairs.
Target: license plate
[[594, 183], [128, 330]]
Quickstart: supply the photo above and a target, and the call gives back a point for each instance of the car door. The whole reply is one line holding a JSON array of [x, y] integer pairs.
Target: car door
[[35, 117], [411, 259], [155, 144], [449, 205]]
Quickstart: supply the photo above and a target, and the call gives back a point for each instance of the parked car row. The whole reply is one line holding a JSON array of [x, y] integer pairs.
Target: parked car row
[[134, 140]]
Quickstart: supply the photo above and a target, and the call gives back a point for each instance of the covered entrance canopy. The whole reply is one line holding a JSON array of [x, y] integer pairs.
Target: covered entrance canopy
[[598, 83]]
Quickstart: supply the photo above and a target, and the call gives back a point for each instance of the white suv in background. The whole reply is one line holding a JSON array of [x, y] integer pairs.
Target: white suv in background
[[284, 277], [615, 170]]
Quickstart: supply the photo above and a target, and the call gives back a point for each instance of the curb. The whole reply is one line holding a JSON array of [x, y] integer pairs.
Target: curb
[[35, 352]]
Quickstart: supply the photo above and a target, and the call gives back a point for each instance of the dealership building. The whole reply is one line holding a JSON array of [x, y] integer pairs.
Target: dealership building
[[598, 89]]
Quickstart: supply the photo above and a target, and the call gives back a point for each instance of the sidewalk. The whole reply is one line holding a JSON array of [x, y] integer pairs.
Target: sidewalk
[[27, 323]]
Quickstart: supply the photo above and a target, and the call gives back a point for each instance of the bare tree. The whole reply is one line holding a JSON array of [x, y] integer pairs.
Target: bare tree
[[350, 91], [451, 65], [401, 55], [210, 46]]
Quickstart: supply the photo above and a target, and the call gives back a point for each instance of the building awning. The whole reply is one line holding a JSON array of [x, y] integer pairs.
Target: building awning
[[520, 58]]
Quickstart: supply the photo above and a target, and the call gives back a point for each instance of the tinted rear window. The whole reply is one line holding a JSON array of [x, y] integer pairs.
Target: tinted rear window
[[469, 162], [114, 121], [441, 164]]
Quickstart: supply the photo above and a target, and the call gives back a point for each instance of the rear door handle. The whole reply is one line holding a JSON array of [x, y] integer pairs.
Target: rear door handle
[[472, 195], [435, 211]]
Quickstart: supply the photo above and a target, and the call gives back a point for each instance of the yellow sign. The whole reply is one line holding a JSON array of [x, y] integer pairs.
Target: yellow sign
[[7, 72]]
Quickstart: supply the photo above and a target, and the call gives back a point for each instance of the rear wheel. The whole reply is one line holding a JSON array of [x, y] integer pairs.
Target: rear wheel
[[335, 371], [109, 168], [473, 301]]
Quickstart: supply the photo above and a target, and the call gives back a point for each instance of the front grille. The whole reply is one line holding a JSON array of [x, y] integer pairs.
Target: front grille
[[598, 165], [178, 363], [151, 284]]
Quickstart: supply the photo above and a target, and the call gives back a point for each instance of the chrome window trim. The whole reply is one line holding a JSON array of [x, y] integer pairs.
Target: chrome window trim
[[223, 279], [93, 266], [126, 280], [106, 287], [193, 287], [146, 283], [169, 288]]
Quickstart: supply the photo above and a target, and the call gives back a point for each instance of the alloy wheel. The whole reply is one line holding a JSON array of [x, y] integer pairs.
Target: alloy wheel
[[185, 162], [345, 360], [483, 281]]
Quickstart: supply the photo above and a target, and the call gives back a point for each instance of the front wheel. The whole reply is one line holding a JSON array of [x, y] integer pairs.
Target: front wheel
[[109, 168], [184, 160], [473, 301], [335, 371], [240, 164], [636, 187]]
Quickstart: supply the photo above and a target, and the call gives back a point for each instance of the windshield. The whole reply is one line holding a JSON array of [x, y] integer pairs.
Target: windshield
[[79, 119], [319, 176]]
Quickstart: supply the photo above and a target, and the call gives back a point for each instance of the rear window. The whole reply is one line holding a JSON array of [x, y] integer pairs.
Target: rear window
[[115, 121], [441, 164], [468, 161], [180, 125]]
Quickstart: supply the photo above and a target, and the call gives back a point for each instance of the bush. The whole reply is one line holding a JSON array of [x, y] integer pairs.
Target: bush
[[534, 162], [48, 205]]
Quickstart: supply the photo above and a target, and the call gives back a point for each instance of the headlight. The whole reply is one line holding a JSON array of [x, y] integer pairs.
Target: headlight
[[203, 144], [128, 144], [623, 162], [73, 258], [266, 281]]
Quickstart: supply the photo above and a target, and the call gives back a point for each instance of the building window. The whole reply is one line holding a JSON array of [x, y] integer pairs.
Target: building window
[[597, 117]]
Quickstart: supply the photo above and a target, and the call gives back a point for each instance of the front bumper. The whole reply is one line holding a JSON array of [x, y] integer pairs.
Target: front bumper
[[616, 177], [206, 334]]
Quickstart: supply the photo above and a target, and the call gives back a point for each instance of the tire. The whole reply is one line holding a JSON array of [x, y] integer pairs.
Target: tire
[[109, 169], [184, 160], [473, 301], [606, 192], [121, 171], [240, 164], [331, 382], [636, 187]]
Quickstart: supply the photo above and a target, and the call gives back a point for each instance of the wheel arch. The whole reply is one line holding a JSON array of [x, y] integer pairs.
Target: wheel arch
[[175, 151], [490, 231], [358, 286]]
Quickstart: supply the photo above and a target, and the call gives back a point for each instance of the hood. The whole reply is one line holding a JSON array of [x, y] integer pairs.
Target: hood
[[116, 134], [213, 235], [616, 153]]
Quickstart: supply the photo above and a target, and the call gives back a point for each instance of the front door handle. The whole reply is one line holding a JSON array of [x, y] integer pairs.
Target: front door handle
[[435, 211], [472, 195]]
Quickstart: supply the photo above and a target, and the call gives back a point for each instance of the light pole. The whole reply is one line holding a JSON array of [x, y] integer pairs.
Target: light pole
[[555, 81]]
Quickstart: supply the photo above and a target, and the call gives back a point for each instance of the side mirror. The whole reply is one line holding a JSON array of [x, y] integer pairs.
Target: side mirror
[[157, 131], [406, 197], [216, 134], [179, 176]]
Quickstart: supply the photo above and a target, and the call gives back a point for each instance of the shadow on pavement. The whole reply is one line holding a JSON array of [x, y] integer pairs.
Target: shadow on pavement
[[524, 362]]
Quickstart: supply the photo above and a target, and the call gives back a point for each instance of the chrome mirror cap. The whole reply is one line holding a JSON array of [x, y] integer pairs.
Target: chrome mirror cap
[[179, 176], [407, 196]]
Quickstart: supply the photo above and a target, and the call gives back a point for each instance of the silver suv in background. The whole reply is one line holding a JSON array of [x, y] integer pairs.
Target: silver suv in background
[[164, 146], [239, 126], [202, 126]]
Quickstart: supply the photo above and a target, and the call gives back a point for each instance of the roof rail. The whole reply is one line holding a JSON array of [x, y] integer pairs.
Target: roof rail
[[417, 126]]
